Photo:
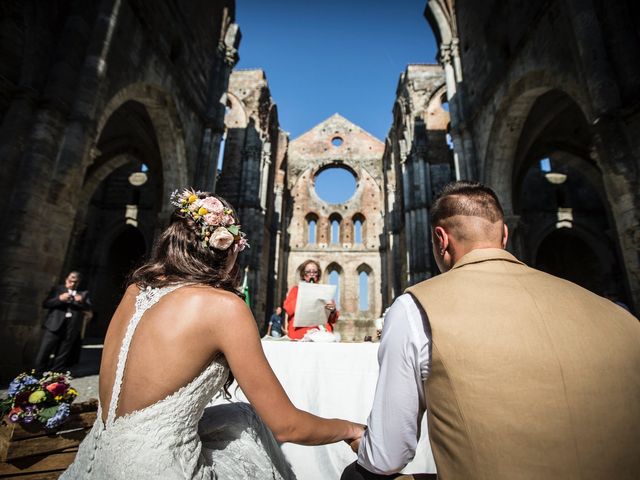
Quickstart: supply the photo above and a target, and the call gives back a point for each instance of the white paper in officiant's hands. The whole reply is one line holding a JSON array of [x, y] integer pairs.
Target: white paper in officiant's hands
[[310, 304]]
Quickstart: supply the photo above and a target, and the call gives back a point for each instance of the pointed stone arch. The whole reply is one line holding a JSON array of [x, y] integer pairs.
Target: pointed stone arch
[[497, 169], [165, 119]]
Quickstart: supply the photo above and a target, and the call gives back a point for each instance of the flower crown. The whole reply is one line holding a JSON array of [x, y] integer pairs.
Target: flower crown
[[218, 228]]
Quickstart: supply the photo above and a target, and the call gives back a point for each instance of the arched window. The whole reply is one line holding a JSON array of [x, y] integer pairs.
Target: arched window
[[363, 291], [335, 231], [335, 220], [364, 287], [312, 231], [358, 223], [312, 228], [333, 274]]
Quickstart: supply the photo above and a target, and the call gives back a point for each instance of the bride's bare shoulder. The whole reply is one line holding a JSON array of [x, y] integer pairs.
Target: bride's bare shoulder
[[212, 302], [132, 290]]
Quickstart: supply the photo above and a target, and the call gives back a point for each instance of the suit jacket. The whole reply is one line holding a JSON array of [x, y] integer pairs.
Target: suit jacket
[[56, 317], [532, 376]]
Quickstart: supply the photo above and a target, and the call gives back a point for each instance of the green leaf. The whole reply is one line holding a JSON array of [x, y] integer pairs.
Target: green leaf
[[47, 413], [234, 229]]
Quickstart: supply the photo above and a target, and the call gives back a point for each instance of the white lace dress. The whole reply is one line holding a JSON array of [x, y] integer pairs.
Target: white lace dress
[[178, 437]]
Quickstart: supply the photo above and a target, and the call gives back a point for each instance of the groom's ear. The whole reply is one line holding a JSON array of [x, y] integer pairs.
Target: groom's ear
[[440, 239], [505, 237]]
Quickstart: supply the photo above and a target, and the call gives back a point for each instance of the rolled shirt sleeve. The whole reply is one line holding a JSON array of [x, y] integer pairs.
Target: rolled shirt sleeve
[[389, 443]]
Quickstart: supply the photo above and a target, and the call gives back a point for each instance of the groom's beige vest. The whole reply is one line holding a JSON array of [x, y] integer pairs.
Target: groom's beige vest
[[532, 376]]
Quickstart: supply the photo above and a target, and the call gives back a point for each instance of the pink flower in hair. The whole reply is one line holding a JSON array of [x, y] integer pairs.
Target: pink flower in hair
[[213, 219], [212, 204], [228, 219], [241, 245], [221, 238]]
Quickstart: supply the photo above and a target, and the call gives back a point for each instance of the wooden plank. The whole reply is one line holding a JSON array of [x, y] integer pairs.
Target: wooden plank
[[6, 432], [54, 475], [44, 445], [75, 421], [39, 463]]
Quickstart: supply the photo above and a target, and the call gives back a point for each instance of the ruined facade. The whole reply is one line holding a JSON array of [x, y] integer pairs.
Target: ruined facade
[[344, 238], [417, 163], [544, 99], [254, 151], [105, 108]]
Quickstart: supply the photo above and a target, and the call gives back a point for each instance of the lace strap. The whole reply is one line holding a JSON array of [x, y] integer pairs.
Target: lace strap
[[145, 300]]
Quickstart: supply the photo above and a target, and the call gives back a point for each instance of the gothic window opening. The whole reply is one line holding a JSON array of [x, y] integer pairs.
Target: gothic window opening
[[221, 152], [335, 231], [364, 287], [312, 226], [334, 272], [335, 185], [358, 223], [336, 221]]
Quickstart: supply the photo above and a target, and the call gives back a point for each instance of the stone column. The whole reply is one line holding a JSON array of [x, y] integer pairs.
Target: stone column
[[226, 58], [463, 149]]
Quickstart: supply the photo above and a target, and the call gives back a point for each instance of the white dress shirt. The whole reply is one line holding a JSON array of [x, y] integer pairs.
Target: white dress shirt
[[389, 442]]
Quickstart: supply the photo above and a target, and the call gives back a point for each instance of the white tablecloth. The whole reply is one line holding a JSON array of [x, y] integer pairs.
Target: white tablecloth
[[334, 380]]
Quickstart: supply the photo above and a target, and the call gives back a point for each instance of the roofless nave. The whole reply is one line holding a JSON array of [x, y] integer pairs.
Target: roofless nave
[[108, 107]]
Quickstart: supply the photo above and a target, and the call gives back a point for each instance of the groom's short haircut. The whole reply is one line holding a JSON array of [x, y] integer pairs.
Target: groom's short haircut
[[466, 198]]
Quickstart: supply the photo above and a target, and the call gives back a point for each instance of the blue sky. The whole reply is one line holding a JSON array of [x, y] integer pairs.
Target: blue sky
[[331, 56]]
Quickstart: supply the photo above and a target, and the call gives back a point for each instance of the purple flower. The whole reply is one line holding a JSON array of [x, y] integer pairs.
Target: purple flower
[[60, 416], [29, 380], [14, 387], [21, 381]]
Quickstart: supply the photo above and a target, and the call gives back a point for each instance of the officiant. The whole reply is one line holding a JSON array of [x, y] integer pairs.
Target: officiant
[[309, 273]]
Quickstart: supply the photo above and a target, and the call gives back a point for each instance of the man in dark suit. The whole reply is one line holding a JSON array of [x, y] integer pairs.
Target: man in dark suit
[[63, 323]]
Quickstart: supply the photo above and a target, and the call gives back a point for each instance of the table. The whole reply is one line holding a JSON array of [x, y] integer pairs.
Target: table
[[333, 380]]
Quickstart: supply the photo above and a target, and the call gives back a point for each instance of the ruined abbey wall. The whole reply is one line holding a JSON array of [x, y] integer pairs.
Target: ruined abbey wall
[[91, 93], [337, 142], [544, 107]]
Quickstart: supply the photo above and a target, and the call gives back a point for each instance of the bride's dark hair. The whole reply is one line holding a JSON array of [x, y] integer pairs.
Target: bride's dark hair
[[178, 256]]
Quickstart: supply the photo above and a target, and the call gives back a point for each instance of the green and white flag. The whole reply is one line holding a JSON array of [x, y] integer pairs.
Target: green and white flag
[[245, 287]]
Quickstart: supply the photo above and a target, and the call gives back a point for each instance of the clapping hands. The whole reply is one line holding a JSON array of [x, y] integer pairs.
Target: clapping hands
[[68, 297]]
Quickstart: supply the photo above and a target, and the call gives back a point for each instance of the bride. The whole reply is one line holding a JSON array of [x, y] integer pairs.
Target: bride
[[179, 336]]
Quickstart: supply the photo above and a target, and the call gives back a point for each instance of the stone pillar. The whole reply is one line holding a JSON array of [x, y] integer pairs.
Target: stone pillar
[[226, 58], [620, 179], [463, 149]]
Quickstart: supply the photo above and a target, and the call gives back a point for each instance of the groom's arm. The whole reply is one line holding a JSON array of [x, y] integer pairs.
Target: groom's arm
[[390, 440]]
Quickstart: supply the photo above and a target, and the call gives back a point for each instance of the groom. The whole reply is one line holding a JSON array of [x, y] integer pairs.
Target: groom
[[522, 374]]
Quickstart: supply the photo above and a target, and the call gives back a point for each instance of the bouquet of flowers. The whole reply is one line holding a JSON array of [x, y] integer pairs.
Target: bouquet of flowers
[[46, 400]]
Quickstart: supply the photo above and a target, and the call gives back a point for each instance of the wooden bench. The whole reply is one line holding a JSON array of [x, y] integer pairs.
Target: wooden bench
[[30, 452]]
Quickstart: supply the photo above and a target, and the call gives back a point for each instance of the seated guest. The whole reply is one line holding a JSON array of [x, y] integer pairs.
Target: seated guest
[[310, 273], [275, 328], [522, 374]]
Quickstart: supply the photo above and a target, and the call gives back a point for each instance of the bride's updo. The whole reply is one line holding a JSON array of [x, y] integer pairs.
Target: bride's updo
[[204, 230]]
